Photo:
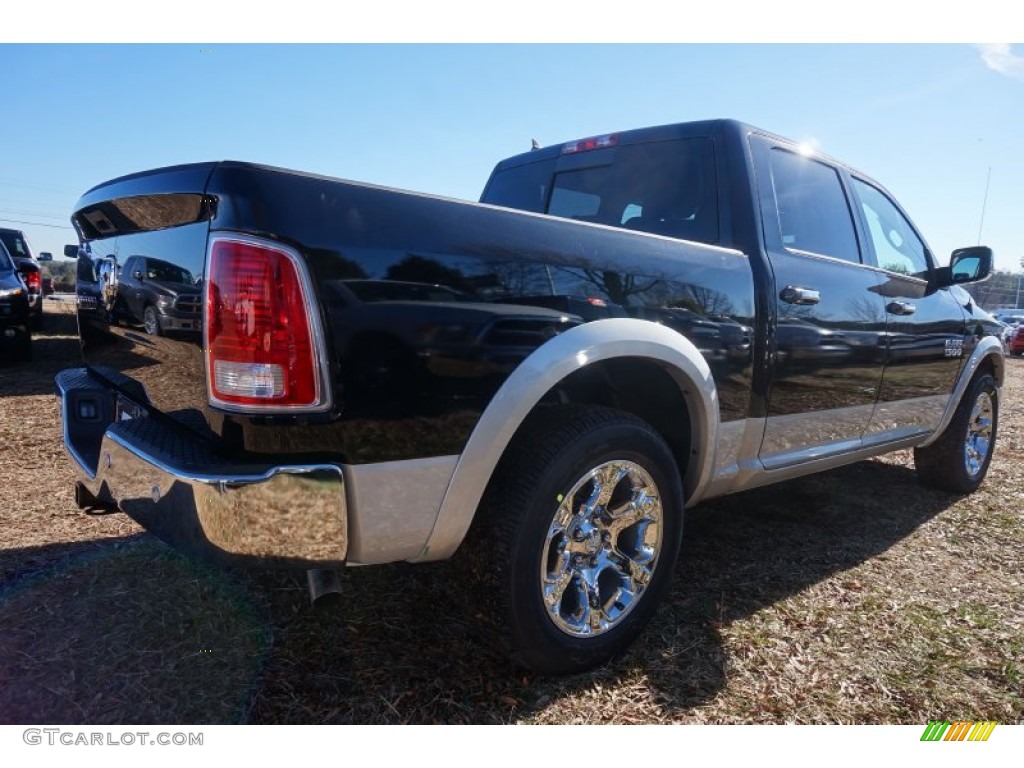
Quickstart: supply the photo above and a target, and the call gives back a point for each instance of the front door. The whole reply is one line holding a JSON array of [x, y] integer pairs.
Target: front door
[[926, 330]]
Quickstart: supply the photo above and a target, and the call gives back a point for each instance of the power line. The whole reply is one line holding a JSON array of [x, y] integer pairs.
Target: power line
[[36, 224], [16, 183], [39, 207], [35, 201], [35, 213]]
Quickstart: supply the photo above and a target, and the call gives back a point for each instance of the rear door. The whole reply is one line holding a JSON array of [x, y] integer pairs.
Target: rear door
[[829, 330]]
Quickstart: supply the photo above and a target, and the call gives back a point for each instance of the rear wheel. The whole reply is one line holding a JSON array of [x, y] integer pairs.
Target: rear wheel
[[581, 527], [959, 459]]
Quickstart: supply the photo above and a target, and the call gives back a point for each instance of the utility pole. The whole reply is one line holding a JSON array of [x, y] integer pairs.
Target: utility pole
[[1020, 275]]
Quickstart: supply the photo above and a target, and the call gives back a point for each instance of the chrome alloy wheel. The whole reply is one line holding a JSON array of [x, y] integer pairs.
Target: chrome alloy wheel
[[979, 434], [150, 322], [601, 548]]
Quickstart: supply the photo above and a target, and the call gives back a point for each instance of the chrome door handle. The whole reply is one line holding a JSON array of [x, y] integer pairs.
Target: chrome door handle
[[791, 294], [900, 308]]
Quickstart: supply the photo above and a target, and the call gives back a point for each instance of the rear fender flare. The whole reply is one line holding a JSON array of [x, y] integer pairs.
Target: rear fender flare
[[543, 370]]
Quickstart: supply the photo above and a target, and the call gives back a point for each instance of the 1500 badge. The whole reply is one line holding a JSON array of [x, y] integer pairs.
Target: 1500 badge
[[954, 347]]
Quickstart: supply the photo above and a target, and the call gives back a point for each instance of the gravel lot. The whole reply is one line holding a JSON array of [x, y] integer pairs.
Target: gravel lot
[[856, 596]]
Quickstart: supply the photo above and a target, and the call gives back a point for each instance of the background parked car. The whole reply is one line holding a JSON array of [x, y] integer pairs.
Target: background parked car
[[18, 248], [1009, 316], [15, 332], [1009, 320], [1015, 343]]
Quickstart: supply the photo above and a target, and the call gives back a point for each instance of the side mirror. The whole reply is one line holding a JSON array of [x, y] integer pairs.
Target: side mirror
[[71, 251], [137, 274], [46, 256], [966, 265]]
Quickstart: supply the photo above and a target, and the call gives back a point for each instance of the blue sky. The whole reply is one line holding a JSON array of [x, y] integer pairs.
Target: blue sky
[[926, 120]]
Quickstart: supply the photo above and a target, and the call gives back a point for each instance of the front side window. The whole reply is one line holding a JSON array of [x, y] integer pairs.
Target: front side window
[[897, 246], [813, 212], [164, 272], [86, 270]]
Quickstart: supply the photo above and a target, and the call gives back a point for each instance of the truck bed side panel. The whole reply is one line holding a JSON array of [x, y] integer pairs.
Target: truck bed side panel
[[428, 305]]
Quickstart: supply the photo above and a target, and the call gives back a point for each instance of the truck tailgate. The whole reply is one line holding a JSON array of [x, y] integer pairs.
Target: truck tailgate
[[144, 245]]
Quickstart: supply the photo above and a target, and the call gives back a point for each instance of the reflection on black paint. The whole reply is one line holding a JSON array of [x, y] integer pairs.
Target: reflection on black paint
[[403, 368], [111, 307], [409, 347]]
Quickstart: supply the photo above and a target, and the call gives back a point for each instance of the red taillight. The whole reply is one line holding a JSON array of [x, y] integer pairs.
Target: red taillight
[[260, 342], [33, 281]]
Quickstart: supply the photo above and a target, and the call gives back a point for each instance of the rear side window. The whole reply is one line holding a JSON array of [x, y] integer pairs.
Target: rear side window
[[524, 187], [665, 187], [814, 215]]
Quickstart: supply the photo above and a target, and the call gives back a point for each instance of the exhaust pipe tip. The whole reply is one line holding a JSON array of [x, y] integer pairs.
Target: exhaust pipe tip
[[324, 587]]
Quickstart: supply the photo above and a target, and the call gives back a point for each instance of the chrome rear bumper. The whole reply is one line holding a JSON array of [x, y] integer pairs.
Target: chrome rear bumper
[[175, 487]]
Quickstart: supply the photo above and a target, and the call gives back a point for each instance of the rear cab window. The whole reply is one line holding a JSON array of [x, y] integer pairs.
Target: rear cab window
[[665, 187]]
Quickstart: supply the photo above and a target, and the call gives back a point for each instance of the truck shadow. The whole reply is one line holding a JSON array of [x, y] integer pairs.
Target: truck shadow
[[54, 348], [404, 648], [125, 630]]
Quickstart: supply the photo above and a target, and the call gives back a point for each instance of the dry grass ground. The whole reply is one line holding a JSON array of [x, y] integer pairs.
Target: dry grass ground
[[855, 596]]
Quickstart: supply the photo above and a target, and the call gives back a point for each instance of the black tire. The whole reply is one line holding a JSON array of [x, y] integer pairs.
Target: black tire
[[959, 459], [151, 321], [516, 550]]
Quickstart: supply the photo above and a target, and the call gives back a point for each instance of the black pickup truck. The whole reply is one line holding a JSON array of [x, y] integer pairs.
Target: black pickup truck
[[30, 271], [15, 312], [375, 378]]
